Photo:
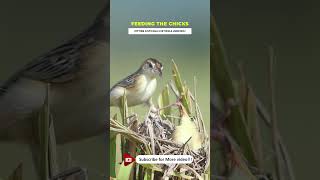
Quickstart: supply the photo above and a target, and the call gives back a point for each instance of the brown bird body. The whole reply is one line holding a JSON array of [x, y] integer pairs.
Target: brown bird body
[[77, 73], [139, 86]]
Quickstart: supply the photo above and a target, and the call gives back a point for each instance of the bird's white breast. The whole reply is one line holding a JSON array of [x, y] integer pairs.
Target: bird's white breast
[[149, 89], [143, 91]]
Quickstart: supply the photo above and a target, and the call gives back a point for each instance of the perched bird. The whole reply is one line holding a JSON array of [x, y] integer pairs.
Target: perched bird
[[139, 86], [77, 72]]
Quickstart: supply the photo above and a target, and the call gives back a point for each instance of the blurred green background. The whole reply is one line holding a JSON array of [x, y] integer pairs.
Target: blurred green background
[[190, 52], [247, 27]]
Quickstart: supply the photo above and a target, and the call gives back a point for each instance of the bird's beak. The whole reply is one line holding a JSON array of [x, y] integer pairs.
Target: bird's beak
[[160, 72]]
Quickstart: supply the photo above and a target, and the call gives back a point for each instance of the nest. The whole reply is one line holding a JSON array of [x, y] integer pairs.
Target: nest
[[154, 136]]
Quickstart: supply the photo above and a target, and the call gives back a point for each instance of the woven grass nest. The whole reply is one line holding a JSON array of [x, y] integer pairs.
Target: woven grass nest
[[154, 136]]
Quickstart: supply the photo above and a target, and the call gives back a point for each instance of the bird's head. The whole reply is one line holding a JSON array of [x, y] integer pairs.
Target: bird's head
[[152, 67]]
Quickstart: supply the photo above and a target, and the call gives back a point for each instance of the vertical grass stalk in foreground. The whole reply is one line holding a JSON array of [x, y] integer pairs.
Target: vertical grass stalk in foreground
[[180, 87], [43, 129], [113, 152], [47, 141], [274, 123], [164, 102], [225, 86]]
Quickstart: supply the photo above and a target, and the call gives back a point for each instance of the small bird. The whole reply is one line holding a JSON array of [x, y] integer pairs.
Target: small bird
[[77, 73], [139, 86]]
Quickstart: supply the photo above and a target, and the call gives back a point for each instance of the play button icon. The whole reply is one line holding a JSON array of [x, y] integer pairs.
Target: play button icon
[[128, 159]]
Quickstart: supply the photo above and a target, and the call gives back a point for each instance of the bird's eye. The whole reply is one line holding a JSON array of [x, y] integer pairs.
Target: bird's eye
[[150, 65]]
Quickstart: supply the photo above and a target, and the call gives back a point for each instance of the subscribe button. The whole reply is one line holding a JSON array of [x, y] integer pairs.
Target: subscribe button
[[158, 159], [164, 159]]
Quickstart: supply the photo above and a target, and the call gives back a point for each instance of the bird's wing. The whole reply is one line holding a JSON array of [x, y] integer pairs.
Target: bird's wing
[[56, 66], [60, 64], [119, 88], [128, 82]]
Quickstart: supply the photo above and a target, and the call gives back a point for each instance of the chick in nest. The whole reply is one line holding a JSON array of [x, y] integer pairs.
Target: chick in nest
[[186, 130]]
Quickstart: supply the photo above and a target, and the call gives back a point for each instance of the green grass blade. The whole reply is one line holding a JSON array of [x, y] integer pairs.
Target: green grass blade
[[149, 175], [43, 128], [112, 156], [223, 80], [254, 128], [263, 113], [125, 171], [183, 92], [124, 115], [243, 89], [248, 103], [164, 101], [286, 160], [274, 120], [53, 160], [113, 151], [124, 108]]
